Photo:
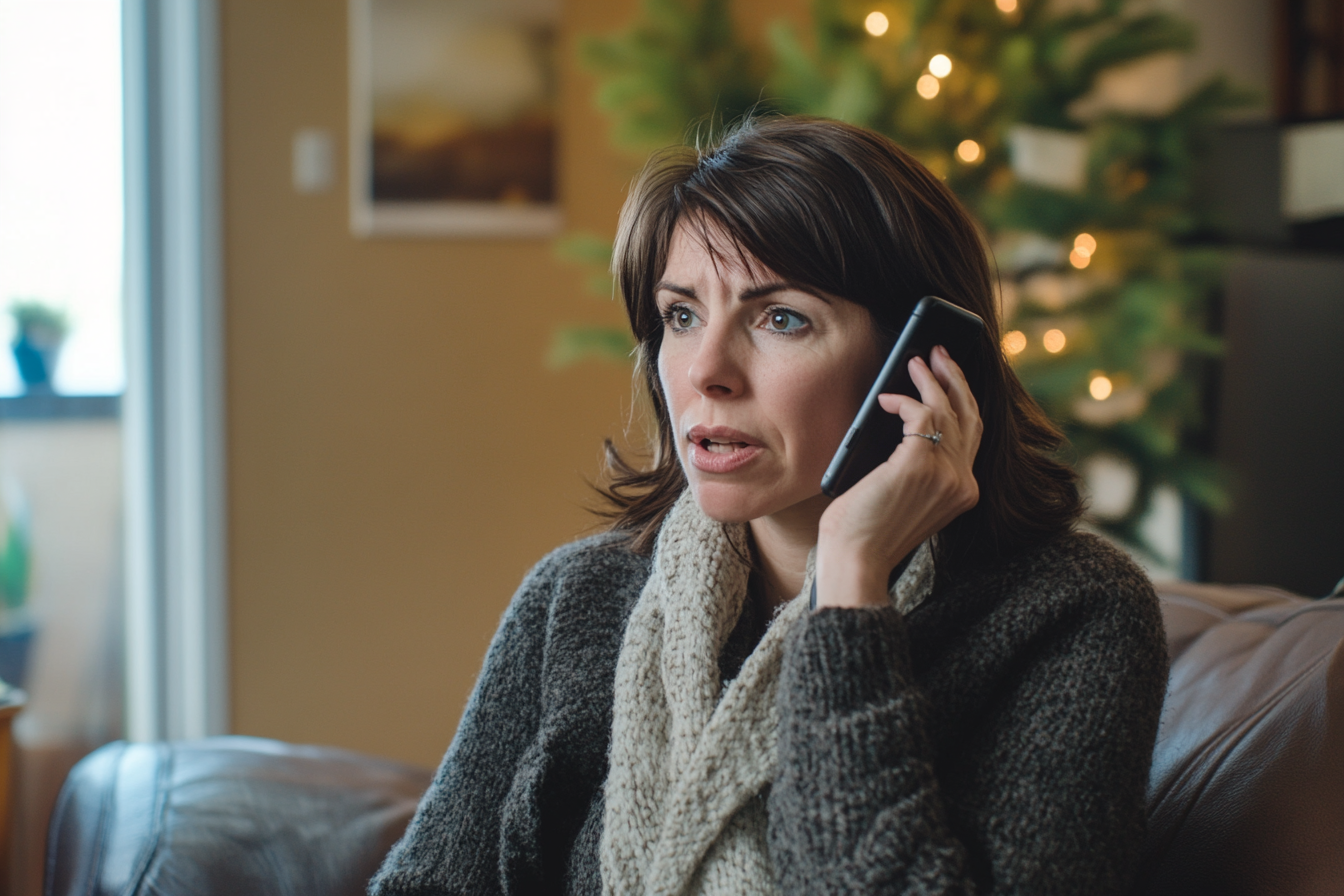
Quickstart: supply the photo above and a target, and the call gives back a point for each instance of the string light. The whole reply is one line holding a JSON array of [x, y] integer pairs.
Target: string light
[[968, 151], [1083, 246], [940, 66], [876, 24], [927, 86], [1054, 341], [1006, 5], [1014, 341], [1100, 386]]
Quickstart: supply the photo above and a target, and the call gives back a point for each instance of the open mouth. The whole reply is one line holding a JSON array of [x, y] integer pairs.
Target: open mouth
[[721, 447]]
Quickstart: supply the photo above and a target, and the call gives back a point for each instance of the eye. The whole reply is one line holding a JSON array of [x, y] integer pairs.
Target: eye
[[782, 320], [680, 317]]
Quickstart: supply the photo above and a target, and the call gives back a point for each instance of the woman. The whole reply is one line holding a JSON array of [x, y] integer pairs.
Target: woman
[[971, 707]]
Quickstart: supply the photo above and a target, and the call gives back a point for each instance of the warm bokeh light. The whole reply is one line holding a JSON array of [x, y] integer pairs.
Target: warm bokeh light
[[1054, 341], [1006, 5], [1079, 259], [927, 86], [968, 151], [876, 24], [1100, 386], [1014, 341], [940, 66], [1085, 243]]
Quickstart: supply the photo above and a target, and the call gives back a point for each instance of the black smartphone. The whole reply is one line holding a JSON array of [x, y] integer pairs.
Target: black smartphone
[[875, 433]]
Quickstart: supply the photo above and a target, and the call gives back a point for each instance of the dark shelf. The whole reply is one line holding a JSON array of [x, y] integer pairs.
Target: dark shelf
[[51, 406]]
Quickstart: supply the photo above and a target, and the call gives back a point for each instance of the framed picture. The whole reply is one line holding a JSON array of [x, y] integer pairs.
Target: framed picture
[[453, 117]]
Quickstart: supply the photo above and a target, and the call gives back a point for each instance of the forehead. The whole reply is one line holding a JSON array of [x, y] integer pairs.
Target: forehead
[[700, 248]]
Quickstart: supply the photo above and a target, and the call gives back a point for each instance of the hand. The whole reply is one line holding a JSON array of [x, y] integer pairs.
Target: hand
[[921, 488]]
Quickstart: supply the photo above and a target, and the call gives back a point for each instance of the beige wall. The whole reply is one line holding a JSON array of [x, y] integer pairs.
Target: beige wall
[[398, 454]]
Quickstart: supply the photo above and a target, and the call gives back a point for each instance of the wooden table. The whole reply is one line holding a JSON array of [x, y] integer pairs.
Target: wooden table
[[11, 701]]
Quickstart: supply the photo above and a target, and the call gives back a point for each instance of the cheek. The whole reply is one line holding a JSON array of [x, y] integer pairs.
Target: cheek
[[819, 410], [827, 406], [665, 383], [673, 385]]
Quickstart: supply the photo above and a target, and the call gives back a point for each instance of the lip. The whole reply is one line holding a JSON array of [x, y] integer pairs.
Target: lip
[[746, 449], [699, 433]]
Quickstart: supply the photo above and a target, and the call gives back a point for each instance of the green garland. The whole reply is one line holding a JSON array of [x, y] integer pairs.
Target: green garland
[[1082, 181]]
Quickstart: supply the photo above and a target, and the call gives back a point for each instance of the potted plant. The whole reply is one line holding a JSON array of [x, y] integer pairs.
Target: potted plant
[[16, 627], [39, 331]]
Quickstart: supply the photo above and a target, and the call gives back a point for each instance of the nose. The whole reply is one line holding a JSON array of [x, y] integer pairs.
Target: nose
[[716, 368]]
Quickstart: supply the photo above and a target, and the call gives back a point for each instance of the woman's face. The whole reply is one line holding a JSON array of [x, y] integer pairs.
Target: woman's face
[[762, 378]]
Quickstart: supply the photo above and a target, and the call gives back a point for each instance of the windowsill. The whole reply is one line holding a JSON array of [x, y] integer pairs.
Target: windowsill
[[52, 406]]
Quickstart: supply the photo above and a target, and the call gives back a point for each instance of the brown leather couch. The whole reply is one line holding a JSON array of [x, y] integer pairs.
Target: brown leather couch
[[1246, 795], [1247, 789]]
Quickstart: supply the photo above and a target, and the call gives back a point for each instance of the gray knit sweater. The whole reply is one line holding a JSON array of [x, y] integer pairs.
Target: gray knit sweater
[[995, 740]]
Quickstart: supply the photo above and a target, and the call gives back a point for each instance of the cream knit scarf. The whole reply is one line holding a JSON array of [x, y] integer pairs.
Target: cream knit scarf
[[683, 813]]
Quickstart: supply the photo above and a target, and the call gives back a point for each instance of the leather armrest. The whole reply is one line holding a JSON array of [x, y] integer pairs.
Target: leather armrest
[[226, 815], [1191, 608], [1246, 794]]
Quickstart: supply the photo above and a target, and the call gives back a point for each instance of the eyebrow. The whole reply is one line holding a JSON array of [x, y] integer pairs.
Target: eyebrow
[[672, 287], [747, 295]]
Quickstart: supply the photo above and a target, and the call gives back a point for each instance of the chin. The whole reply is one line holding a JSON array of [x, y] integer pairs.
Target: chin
[[740, 502], [726, 502]]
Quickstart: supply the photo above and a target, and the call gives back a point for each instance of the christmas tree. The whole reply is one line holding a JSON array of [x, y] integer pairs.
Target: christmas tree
[[1062, 125]]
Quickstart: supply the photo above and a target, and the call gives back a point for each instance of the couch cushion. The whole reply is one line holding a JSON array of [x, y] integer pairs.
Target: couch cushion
[[227, 815], [1247, 788]]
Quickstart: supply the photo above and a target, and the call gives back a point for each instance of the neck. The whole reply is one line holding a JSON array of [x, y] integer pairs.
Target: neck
[[783, 541]]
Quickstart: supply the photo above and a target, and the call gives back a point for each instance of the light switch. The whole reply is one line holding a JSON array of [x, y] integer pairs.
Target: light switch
[[314, 160]]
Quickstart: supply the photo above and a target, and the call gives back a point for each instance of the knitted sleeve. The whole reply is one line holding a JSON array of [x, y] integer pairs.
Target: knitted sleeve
[[1016, 762], [452, 843]]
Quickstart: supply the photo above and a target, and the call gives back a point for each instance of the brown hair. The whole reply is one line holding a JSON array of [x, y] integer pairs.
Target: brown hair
[[849, 213]]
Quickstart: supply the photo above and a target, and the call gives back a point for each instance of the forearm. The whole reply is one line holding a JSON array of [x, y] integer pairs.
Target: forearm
[[1033, 784], [856, 806]]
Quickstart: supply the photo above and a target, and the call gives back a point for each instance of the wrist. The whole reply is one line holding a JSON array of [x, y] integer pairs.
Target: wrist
[[850, 579]]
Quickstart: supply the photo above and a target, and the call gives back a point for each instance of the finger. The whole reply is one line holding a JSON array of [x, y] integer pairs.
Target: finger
[[958, 390], [915, 417], [930, 390], [902, 406], [947, 371]]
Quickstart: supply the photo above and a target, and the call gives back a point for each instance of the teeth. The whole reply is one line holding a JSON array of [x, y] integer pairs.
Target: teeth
[[720, 447]]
